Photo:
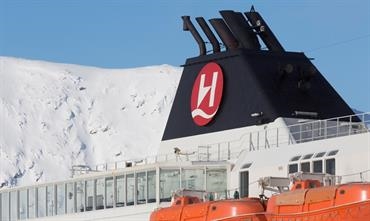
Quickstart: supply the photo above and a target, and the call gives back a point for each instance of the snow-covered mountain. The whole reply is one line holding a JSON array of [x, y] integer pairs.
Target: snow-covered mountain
[[53, 116]]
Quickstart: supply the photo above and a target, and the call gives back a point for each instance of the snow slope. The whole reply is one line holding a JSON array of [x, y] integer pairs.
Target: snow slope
[[53, 116]]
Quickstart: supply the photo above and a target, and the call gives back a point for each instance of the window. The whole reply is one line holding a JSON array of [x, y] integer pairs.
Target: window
[[50, 200], [89, 195], [110, 192], [168, 183], [317, 166], [216, 182], [31, 203], [61, 199], [305, 167], [23, 204], [130, 189], [293, 168], [295, 158], [5, 206], [41, 201], [151, 186], [141, 187], [192, 179], [71, 197], [100, 193], [120, 185], [307, 156], [321, 154], [330, 166], [13, 205], [80, 198], [333, 152]]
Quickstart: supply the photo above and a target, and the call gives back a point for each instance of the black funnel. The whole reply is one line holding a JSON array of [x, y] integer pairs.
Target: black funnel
[[224, 32], [188, 26], [241, 29], [264, 31], [211, 37]]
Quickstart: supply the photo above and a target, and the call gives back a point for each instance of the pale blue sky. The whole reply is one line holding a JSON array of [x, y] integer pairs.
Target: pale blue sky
[[122, 34]]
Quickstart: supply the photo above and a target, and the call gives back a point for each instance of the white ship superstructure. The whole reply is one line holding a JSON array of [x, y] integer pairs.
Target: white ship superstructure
[[238, 115]]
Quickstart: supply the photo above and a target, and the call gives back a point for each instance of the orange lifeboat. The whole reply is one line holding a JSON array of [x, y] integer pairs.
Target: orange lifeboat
[[193, 208], [347, 202], [307, 201]]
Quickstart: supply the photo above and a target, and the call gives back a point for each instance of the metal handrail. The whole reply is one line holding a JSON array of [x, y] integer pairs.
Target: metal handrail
[[256, 140]]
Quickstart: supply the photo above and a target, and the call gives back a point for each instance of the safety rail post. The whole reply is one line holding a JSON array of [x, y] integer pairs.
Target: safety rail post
[[337, 127], [266, 140], [363, 120], [277, 137], [250, 142], [312, 130], [258, 140], [218, 151], [350, 125], [208, 152], [228, 151]]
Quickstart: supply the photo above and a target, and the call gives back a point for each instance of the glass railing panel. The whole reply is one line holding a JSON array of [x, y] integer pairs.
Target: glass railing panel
[[89, 195], [192, 179], [100, 193], [141, 187], [71, 197], [109, 199], [50, 200], [23, 204], [13, 206], [31, 202], [80, 196], [5, 206], [61, 199], [130, 189], [120, 190], [169, 182], [217, 182], [41, 201], [151, 186]]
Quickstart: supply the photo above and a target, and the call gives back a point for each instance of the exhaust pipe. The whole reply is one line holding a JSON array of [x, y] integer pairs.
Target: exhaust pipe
[[211, 37], [188, 26], [225, 34], [241, 29], [264, 31]]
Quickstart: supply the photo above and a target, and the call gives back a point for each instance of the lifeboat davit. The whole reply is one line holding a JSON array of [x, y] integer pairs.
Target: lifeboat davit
[[307, 201]]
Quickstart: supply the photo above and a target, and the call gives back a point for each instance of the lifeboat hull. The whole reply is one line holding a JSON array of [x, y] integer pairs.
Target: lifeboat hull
[[351, 212], [225, 210]]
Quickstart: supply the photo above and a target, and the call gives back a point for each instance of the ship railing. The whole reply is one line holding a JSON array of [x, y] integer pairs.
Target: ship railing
[[310, 130], [335, 127], [307, 131], [363, 176]]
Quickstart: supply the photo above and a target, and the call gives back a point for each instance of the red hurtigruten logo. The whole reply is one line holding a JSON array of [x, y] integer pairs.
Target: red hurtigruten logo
[[207, 93]]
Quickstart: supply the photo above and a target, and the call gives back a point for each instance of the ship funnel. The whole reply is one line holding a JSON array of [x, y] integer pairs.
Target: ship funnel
[[225, 34], [241, 29], [188, 26], [211, 37], [264, 31]]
